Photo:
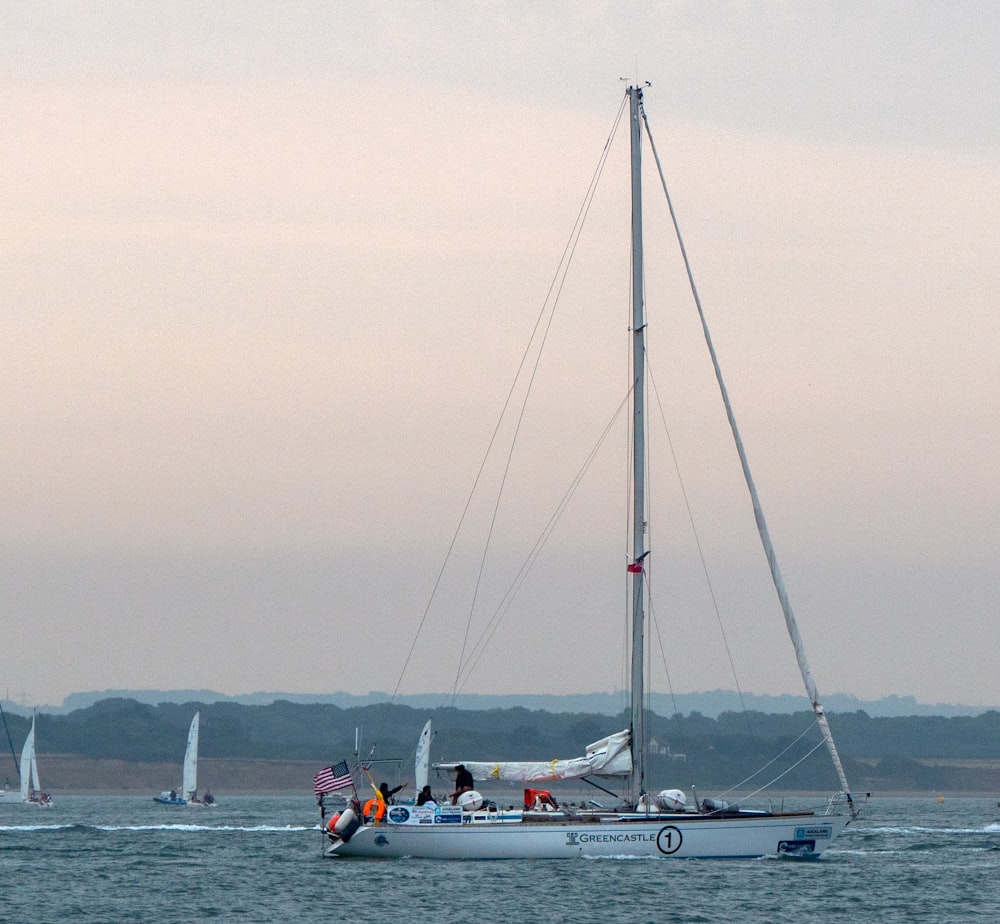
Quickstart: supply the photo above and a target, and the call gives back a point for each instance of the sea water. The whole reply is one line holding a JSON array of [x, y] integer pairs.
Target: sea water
[[258, 859]]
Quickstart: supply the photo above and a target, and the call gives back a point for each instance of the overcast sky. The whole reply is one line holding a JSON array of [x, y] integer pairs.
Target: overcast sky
[[267, 271]]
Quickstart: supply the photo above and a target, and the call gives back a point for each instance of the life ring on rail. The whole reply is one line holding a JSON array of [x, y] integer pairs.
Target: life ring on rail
[[332, 823], [374, 807]]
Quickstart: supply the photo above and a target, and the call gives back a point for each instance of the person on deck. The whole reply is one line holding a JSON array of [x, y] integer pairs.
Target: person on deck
[[424, 797], [386, 793], [463, 783]]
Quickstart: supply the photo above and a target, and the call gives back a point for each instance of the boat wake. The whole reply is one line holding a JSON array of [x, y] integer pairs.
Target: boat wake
[[252, 829], [920, 829]]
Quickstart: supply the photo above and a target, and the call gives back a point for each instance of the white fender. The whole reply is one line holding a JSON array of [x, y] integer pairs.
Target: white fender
[[470, 801]]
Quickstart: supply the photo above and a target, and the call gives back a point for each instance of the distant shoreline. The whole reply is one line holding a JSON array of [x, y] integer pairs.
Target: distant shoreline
[[72, 775], [709, 702]]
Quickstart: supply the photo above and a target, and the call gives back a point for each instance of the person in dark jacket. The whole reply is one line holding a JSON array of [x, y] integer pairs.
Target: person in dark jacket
[[386, 793], [463, 783]]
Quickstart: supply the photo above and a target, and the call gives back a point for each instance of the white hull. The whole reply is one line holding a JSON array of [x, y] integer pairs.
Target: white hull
[[684, 837]]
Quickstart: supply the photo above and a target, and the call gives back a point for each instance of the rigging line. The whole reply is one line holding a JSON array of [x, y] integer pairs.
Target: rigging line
[[647, 512], [785, 773], [773, 760], [663, 654], [701, 553], [517, 583], [627, 588], [647, 578], [502, 416], [765, 537], [627, 585], [521, 576], [552, 302]]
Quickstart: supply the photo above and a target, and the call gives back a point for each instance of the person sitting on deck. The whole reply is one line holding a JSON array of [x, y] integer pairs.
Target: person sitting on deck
[[424, 797], [463, 783]]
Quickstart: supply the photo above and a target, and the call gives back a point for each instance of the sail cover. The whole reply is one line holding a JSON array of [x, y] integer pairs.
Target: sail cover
[[610, 756]]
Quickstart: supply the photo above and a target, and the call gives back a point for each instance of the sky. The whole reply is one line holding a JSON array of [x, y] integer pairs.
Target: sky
[[267, 270]]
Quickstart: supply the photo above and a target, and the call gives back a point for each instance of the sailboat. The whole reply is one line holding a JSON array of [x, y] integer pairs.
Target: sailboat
[[188, 794], [30, 792], [647, 823]]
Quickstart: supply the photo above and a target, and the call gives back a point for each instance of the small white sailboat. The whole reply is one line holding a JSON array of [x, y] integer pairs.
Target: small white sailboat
[[188, 794], [647, 823], [30, 791]]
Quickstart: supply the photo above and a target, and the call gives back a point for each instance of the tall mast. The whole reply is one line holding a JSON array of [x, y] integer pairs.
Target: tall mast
[[637, 693]]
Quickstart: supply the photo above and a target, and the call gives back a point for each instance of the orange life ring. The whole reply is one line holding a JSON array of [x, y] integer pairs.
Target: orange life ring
[[374, 807], [331, 824]]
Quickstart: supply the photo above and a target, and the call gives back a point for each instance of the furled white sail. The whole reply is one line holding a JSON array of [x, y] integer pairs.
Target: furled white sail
[[610, 756], [190, 784], [423, 757]]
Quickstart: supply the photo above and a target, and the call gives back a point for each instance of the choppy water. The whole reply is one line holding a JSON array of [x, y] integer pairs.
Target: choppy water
[[257, 859]]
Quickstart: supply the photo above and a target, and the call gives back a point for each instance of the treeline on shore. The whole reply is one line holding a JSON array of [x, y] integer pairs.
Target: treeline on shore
[[883, 754]]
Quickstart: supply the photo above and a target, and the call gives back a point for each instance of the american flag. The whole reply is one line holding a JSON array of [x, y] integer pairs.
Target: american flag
[[330, 779]]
